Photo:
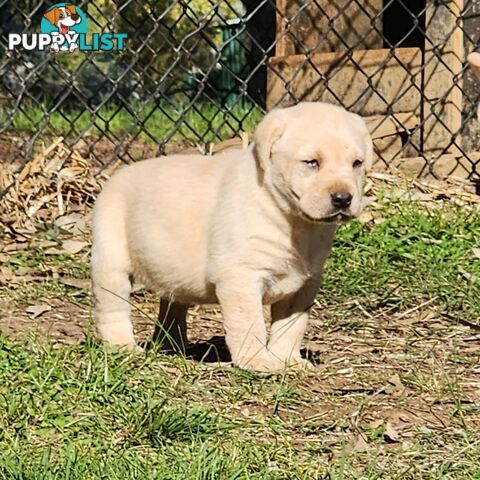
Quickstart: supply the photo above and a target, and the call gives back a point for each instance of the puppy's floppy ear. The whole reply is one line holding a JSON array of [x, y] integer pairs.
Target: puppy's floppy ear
[[266, 134], [71, 9], [52, 16]]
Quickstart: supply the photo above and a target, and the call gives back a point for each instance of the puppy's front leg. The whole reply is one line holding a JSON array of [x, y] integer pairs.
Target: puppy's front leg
[[244, 323], [289, 322]]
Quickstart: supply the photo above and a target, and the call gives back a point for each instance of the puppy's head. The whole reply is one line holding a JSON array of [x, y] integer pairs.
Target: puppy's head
[[314, 157]]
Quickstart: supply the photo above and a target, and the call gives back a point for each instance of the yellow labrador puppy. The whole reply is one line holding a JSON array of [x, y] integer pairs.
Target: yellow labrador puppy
[[244, 228]]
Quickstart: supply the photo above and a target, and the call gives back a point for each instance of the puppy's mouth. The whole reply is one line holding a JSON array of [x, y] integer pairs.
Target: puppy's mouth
[[64, 28], [339, 217]]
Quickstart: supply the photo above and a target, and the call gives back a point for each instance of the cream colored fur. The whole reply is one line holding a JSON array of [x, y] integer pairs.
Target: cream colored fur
[[244, 228]]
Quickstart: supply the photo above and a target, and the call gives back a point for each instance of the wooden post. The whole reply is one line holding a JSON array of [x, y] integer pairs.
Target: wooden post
[[442, 89]]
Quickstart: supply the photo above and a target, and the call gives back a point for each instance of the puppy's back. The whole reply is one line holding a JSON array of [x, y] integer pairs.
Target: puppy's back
[[160, 211]]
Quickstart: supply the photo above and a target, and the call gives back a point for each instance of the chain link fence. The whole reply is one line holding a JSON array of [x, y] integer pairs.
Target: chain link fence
[[201, 71]]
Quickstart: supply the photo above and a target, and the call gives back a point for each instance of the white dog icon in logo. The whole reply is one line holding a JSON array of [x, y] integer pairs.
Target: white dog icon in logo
[[63, 18]]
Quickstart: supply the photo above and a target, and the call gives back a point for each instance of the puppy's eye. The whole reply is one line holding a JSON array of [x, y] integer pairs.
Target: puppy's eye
[[357, 163], [311, 163]]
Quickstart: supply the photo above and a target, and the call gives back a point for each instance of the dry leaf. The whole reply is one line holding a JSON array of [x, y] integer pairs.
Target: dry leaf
[[43, 190], [345, 371], [21, 271], [54, 251], [66, 220], [359, 443], [73, 246], [390, 433], [315, 347], [468, 276], [476, 252], [15, 246], [70, 247], [37, 310], [6, 274], [80, 227], [376, 423], [366, 217], [425, 430], [81, 283], [45, 244], [396, 381]]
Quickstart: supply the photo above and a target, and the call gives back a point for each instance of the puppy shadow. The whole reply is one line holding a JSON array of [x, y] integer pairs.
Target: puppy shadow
[[311, 356], [213, 350]]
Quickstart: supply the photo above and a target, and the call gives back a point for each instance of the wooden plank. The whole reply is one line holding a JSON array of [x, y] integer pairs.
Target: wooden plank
[[445, 166], [386, 131], [328, 26], [282, 40], [368, 82], [444, 53], [381, 126], [387, 147]]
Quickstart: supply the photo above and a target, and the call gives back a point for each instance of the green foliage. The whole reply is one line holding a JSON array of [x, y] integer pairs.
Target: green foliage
[[173, 40]]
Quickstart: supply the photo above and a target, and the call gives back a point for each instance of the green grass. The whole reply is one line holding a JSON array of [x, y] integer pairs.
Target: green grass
[[414, 256], [83, 411], [149, 122]]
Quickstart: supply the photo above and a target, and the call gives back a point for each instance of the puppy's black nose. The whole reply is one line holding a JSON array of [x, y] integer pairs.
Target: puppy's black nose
[[75, 16], [341, 199]]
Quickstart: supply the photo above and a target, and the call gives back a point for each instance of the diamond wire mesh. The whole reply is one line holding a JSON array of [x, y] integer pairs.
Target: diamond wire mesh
[[200, 71]]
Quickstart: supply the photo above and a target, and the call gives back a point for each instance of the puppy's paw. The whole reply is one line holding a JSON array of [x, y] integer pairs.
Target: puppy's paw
[[260, 362], [295, 360]]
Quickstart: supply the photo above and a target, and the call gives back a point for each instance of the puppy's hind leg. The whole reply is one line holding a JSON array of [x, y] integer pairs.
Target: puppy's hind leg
[[171, 326], [111, 272]]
